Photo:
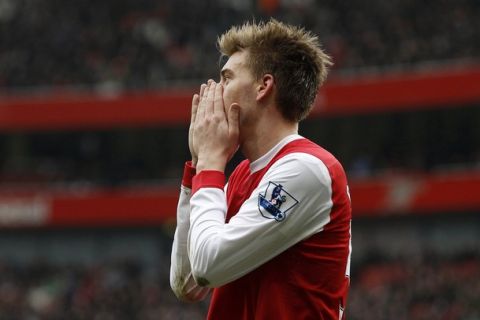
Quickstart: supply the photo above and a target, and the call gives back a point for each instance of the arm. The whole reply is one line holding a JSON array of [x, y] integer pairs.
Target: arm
[[220, 253], [181, 280]]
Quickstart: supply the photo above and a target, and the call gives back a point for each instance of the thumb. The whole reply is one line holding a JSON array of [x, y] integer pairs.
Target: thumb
[[234, 119]]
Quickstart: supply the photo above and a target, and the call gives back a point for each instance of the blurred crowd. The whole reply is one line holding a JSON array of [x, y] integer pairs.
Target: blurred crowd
[[146, 43], [115, 290], [418, 288]]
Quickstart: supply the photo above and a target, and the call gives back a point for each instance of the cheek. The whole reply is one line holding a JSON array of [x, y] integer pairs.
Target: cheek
[[228, 97]]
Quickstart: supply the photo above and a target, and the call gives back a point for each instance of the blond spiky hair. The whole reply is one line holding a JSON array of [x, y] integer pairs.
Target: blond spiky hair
[[291, 54]]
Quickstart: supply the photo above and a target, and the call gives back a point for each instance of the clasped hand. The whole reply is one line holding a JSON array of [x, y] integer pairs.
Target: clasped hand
[[214, 131]]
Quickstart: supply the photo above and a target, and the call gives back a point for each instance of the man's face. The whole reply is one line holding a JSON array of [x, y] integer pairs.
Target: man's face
[[239, 86]]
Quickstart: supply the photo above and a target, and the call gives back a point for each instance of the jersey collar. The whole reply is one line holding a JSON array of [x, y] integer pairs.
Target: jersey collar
[[262, 162]]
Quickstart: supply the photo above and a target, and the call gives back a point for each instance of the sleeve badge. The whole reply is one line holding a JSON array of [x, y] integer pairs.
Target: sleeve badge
[[275, 202]]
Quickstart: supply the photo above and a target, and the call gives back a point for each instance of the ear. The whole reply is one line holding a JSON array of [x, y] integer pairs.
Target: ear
[[265, 86]]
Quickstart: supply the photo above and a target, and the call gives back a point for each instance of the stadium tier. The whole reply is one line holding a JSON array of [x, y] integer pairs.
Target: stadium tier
[[419, 194], [447, 86], [406, 189]]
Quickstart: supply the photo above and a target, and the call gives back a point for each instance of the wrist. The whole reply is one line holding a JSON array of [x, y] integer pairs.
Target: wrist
[[208, 164]]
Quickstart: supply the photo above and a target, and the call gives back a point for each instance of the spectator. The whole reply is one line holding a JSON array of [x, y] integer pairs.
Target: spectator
[[143, 44]]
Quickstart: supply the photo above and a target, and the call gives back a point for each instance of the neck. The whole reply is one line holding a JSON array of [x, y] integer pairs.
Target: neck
[[264, 135]]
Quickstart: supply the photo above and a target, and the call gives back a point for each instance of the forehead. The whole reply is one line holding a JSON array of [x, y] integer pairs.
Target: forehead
[[236, 61]]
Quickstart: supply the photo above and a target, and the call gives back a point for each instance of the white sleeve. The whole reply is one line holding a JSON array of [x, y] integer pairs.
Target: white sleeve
[[181, 280], [222, 252]]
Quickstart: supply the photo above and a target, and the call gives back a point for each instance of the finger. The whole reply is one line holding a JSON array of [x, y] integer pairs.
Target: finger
[[195, 102], [210, 97], [218, 107], [202, 90], [234, 121], [202, 102]]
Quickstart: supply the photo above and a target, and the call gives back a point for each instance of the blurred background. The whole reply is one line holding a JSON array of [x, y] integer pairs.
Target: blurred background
[[94, 108]]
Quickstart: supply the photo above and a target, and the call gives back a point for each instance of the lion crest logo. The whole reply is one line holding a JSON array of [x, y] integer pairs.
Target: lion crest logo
[[275, 202]]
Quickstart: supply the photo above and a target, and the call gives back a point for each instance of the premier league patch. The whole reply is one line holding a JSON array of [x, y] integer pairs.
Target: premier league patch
[[275, 202]]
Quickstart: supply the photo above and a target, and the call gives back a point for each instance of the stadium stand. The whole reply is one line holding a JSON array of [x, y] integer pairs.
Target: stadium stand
[[93, 112], [141, 44]]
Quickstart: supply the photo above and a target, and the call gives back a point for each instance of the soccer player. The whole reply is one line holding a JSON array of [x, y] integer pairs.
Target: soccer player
[[275, 241]]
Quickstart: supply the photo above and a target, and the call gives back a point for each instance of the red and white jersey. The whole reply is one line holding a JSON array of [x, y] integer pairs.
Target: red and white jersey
[[275, 243]]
